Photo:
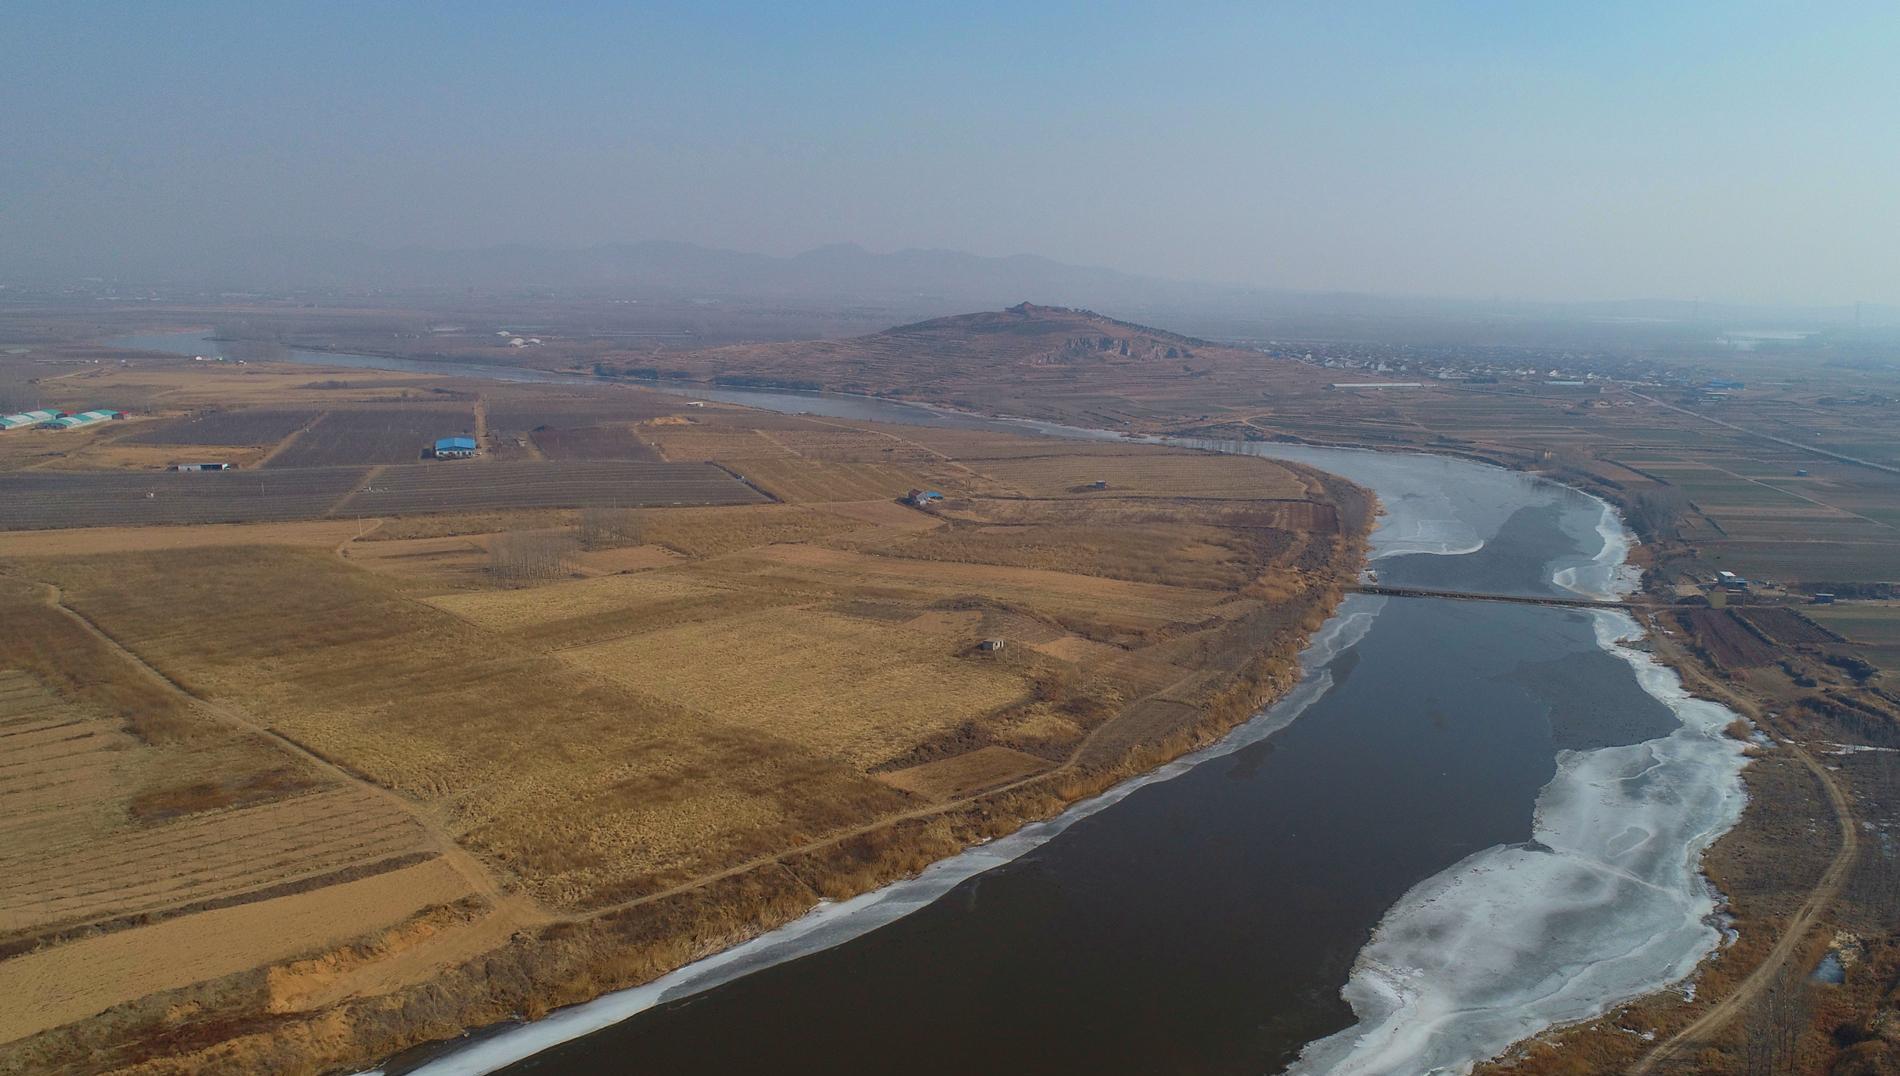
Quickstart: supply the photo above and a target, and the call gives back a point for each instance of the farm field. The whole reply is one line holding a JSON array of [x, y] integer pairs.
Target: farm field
[[322, 534], [1873, 628], [135, 819], [260, 426], [825, 481], [857, 689], [372, 435], [619, 442], [39, 499], [1726, 636], [696, 697], [520, 410], [458, 486], [1171, 473]]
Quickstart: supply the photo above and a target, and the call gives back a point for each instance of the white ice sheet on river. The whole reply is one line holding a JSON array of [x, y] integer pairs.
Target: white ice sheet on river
[[1605, 904], [1433, 504], [1607, 901], [1609, 575]]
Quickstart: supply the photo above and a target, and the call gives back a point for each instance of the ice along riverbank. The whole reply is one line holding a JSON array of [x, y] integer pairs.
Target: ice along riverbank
[[1485, 821]]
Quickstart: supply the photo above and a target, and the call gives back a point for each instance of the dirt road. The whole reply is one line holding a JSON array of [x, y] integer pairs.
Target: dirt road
[[1763, 978]]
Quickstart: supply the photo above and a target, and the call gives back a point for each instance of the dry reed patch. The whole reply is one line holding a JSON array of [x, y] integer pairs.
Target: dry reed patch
[[60, 783], [1077, 649], [693, 443], [849, 444], [851, 688], [973, 445], [964, 775], [885, 514], [53, 448], [82, 540], [1114, 604], [1017, 626], [819, 480], [1099, 510], [957, 624], [77, 979], [1041, 730], [1183, 554], [710, 532], [1138, 673], [1155, 472], [459, 560], [462, 524], [636, 595], [121, 455], [210, 856], [636, 558], [227, 386]]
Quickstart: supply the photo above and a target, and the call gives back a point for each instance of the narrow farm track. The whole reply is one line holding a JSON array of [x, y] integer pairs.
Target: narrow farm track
[[1762, 980], [289, 439]]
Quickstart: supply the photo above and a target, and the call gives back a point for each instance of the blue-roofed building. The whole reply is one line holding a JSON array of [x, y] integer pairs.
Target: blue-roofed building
[[455, 448]]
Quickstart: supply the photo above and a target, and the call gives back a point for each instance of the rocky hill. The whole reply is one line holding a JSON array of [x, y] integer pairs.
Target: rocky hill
[[1045, 361]]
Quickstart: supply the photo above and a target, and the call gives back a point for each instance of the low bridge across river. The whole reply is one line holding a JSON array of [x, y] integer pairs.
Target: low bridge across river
[[1472, 596]]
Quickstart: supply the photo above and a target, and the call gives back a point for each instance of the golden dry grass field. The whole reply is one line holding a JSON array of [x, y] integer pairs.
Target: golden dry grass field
[[356, 757]]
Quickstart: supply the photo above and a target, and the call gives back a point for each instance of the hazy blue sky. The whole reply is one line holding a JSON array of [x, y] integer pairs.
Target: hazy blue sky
[[1714, 150]]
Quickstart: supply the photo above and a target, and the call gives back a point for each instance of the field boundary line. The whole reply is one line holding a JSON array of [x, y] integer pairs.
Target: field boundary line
[[368, 479], [290, 438], [775, 442], [747, 482], [362, 532]]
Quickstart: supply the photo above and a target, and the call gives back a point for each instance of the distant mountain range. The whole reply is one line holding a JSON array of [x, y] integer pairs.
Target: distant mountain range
[[915, 284], [661, 269]]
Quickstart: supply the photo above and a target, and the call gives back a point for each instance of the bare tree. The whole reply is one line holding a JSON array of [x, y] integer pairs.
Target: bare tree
[[1656, 513], [520, 558], [608, 528], [1775, 1024]]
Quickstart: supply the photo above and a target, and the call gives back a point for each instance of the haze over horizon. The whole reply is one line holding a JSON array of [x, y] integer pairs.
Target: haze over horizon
[[1720, 152]]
